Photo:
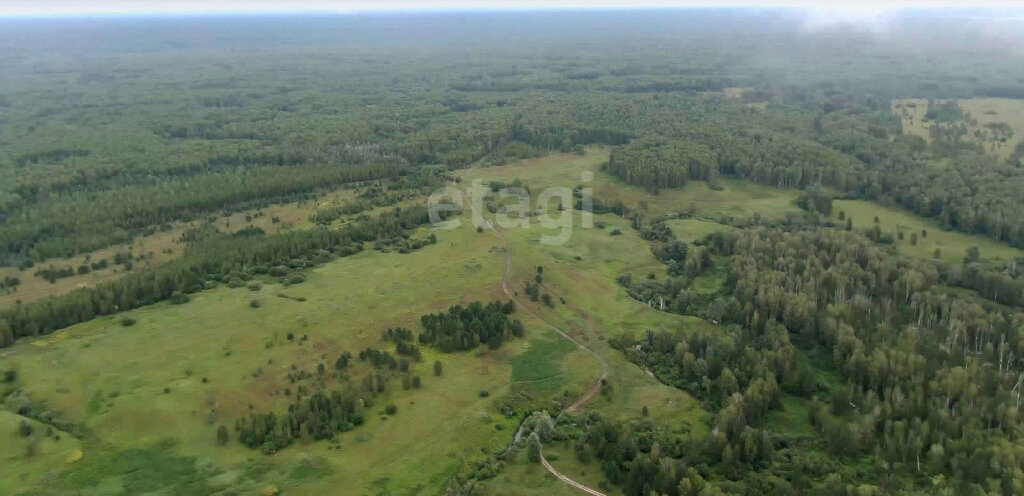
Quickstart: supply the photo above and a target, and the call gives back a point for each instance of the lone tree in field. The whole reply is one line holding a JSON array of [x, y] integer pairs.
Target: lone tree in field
[[973, 255], [222, 435]]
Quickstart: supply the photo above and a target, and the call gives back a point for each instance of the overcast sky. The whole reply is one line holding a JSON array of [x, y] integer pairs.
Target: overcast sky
[[77, 7]]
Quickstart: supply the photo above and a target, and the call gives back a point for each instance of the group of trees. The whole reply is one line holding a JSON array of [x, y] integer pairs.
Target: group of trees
[[320, 416], [716, 366], [644, 458], [659, 162], [465, 328], [323, 414]]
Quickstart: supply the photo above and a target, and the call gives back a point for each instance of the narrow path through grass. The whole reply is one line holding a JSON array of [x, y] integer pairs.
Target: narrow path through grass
[[583, 400]]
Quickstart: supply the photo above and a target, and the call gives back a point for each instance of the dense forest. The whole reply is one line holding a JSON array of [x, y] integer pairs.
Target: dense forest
[[927, 377]]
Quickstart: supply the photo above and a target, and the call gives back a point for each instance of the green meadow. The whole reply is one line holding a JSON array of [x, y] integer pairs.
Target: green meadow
[[952, 245]]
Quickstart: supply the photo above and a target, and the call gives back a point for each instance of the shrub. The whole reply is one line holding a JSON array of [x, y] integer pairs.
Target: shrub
[[293, 278], [616, 232], [391, 409], [255, 303], [128, 321], [484, 393], [222, 435], [25, 429], [255, 286]]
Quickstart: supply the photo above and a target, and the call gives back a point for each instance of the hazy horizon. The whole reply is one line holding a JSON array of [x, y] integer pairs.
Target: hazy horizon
[[264, 7]]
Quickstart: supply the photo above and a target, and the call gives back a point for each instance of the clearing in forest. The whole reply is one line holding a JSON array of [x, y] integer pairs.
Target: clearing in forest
[[997, 124]]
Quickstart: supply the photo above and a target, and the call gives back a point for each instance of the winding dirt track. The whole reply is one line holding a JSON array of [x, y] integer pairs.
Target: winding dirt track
[[590, 394]]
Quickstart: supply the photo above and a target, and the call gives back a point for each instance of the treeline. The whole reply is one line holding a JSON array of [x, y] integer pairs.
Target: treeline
[[465, 328], [215, 260], [929, 375]]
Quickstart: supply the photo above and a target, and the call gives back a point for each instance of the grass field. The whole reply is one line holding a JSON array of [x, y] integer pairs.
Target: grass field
[[979, 114], [583, 272], [953, 245], [49, 453]]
